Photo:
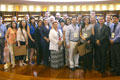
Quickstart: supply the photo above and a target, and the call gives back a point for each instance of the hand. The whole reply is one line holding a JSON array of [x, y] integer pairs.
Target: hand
[[84, 39], [68, 46], [48, 40], [111, 41], [88, 42], [98, 42], [26, 43], [59, 43], [33, 40]]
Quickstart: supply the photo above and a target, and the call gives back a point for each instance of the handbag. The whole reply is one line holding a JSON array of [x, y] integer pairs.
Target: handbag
[[88, 46]]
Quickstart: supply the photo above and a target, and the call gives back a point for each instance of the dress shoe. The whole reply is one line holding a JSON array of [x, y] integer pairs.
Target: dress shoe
[[112, 70], [78, 67], [73, 69]]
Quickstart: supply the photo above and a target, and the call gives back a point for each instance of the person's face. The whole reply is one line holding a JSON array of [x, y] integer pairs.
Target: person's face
[[79, 18], [0, 20], [108, 18], [86, 21], [51, 19], [23, 24], [14, 19], [46, 22], [68, 21], [101, 20], [39, 23], [74, 21], [92, 20], [115, 20], [27, 18], [55, 25], [62, 24], [13, 25], [65, 16], [32, 20]]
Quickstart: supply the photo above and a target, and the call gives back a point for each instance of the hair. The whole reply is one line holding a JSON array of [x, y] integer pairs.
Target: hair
[[62, 20], [39, 21], [83, 25], [44, 23], [21, 26], [102, 16], [66, 21], [115, 16], [12, 23], [32, 17], [73, 17]]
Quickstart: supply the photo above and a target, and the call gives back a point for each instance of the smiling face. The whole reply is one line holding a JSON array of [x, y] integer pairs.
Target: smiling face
[[101, 20]]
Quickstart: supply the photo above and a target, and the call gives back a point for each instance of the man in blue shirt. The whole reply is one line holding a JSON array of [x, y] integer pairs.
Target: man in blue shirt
[[2, 39], [115, 45]]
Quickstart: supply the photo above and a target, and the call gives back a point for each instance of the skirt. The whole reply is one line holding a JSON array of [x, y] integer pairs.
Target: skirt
[[57, 59]]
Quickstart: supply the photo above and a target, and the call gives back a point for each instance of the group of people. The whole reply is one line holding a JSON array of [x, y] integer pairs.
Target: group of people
[[53, 40]]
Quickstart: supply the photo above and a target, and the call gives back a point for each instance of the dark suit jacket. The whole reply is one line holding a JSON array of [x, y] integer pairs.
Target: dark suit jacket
[[45, 32], [102, 34]]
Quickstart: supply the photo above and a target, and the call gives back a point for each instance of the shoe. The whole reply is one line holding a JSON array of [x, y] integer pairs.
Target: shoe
[[78, 67], [6, 66], [97, 69], [20, 64], [31, 63], [24, 63], [73, 69], [13, 66], [112, 70]]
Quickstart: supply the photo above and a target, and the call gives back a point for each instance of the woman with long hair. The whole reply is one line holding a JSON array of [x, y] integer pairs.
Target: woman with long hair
[[11, 40], [31, 39], [22, 39]]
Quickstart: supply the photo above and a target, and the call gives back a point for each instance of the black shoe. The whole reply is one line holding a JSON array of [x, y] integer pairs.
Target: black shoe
[[73, 69], [112, 70], [97, 69], [78, 67]]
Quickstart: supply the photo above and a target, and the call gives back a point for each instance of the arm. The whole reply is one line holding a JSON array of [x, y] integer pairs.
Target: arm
[[67, 36], [29, 35]]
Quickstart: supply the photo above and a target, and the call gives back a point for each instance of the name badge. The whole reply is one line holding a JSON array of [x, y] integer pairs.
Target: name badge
[[113, 35], [0, 34], [75, 35], [85, 35]]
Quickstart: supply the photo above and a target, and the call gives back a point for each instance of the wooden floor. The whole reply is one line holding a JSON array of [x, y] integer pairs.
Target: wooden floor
[[35, 72]]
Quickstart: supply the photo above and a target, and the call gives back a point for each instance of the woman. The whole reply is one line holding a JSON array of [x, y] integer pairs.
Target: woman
[[45, 29], [11, 40], [31, 39], [38, 42], [56, 47], [67, 23], [22, 39], [85, 34]]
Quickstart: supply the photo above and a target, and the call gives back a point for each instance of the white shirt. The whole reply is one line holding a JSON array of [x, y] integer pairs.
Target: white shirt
[[20, 36], [54, 39]]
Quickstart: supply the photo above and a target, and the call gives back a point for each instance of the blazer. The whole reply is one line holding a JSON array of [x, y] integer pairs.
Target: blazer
[[102, 34]]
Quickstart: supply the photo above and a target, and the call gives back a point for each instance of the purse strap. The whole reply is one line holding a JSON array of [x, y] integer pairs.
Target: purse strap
[[23, 34]]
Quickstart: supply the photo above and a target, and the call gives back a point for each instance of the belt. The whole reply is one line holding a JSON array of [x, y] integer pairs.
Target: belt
[[73, 41]]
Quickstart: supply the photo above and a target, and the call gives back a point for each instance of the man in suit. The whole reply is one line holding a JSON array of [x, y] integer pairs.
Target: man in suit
[[115, 45], [102, 41]]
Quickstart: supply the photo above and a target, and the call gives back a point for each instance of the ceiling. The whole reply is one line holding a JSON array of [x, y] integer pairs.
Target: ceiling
[[58, 2]]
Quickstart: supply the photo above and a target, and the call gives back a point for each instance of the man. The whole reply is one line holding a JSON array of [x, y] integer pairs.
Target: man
[[14, 18], [93, 41], [58, 17], [65, 16], [79, 18], [102, 41], [72, 37], [108, 20], [115, 45], [26, 17], [2, 39]]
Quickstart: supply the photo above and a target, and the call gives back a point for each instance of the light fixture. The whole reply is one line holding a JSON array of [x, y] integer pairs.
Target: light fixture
[[31, 8], [3, 8], [104, 7], [90, 7], [51, 8], [10, 7], [64, 8], [24, 8], [58, 8], [71, 8], [97, 7], [84, 8], [65, 0], [77, 8]]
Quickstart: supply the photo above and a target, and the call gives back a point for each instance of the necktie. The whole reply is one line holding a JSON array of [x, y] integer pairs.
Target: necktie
[[114, 27]]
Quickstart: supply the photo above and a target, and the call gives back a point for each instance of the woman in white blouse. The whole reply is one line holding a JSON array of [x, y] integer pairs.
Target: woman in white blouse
[[22, 39], [56, 48]]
